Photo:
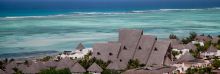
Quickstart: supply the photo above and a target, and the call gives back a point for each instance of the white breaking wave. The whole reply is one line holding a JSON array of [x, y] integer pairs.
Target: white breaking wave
[[105, 13]]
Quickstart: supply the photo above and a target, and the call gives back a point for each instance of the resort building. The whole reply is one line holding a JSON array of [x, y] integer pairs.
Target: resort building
[[77, 69], [211, 52], [132, 44], [78, 52], [95, 69]]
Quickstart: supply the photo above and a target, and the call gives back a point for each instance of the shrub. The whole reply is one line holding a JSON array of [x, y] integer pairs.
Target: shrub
[[216, 63], [47, 58], [192, 36], [133, 64], [54, 71], [204, 70], [108, 71]]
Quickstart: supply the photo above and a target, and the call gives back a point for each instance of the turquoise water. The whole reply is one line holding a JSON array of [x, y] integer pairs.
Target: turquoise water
[[22, 34]]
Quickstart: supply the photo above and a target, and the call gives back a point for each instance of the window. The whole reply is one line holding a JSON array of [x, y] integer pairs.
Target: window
[[120, 60], [110, 54], [139, 48], [125, 48], [98, 53], [155, 49]]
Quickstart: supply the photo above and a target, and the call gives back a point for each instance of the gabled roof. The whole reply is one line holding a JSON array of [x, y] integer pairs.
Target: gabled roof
[[202, 38], [95, 68], [22, 67], [49, 64], [77, 68], [129, 39], [114, 66], [152, 70], [190, 46], [212, 49], [178, 46], [32, 69], [144, 48], [9, 67], [174, 42], [2, 72], [65, 63], [113, 51], [167, 61], [80, 46], [159, 52], [100, 51], [215, 39], [185, 58]]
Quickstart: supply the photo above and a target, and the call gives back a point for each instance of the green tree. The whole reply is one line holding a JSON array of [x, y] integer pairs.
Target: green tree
[[216, 63]]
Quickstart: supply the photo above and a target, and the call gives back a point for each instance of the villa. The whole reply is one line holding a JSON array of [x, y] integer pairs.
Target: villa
[[132, 44]]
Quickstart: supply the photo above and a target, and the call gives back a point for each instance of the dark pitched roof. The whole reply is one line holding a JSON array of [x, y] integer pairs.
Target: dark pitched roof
[[144, 48], [190, 46], [168, 61], [22, 67], [202, 38], [129, 40], [185, 58], [33, 68], [49, 64], [65, 63], [151, 70], [178, 46], [159, 52], [174, 42], [2, 72], [215, 39], [80, 46], [77, 68], [114, 66], [212, 49], [9, 67], [113, 51], [95, 68], [100, 51]]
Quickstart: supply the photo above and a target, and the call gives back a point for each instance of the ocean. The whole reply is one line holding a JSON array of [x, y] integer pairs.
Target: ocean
[[38, 32]]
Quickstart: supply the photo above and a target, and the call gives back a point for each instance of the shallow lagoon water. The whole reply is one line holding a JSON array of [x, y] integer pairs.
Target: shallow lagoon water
[[23, 34]]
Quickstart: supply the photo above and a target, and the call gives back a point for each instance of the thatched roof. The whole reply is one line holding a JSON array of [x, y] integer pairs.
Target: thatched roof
[[95, 68], [178, 46], [215, 39], [144, 48], [77, 68], [185, 58], [151, 70], [114, 66], [113, 51], [32, 69], [202, 38], [2, 72], [100, 51], [80, 46], [129, 39], [190, 46], [9, 67], [22, 67], [65, 63], [212, 49], [49, 64], [159, 52]]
